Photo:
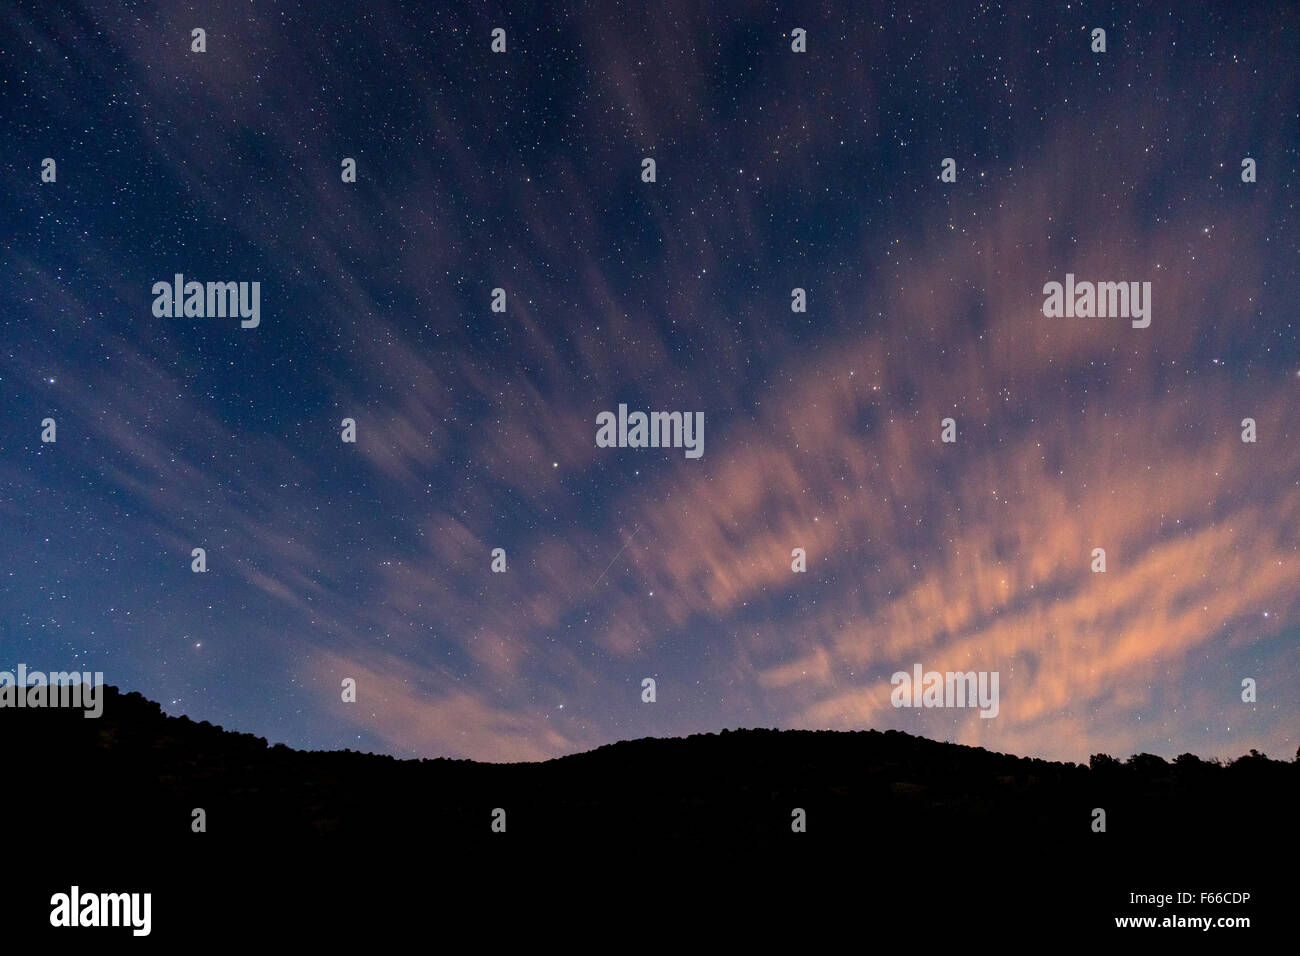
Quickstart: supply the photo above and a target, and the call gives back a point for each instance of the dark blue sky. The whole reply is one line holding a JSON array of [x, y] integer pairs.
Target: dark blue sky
[[476, 430]]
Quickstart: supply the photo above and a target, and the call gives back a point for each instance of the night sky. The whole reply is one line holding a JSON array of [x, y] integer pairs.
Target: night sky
[[476, 429]]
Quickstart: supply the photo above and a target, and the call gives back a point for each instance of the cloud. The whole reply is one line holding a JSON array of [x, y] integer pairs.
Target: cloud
[[456, 722]]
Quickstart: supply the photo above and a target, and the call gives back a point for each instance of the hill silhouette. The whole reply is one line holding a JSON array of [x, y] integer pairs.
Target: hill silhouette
[[884, 803]]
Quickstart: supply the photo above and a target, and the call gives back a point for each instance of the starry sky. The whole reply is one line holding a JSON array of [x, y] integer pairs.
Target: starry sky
[[476, 430]]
